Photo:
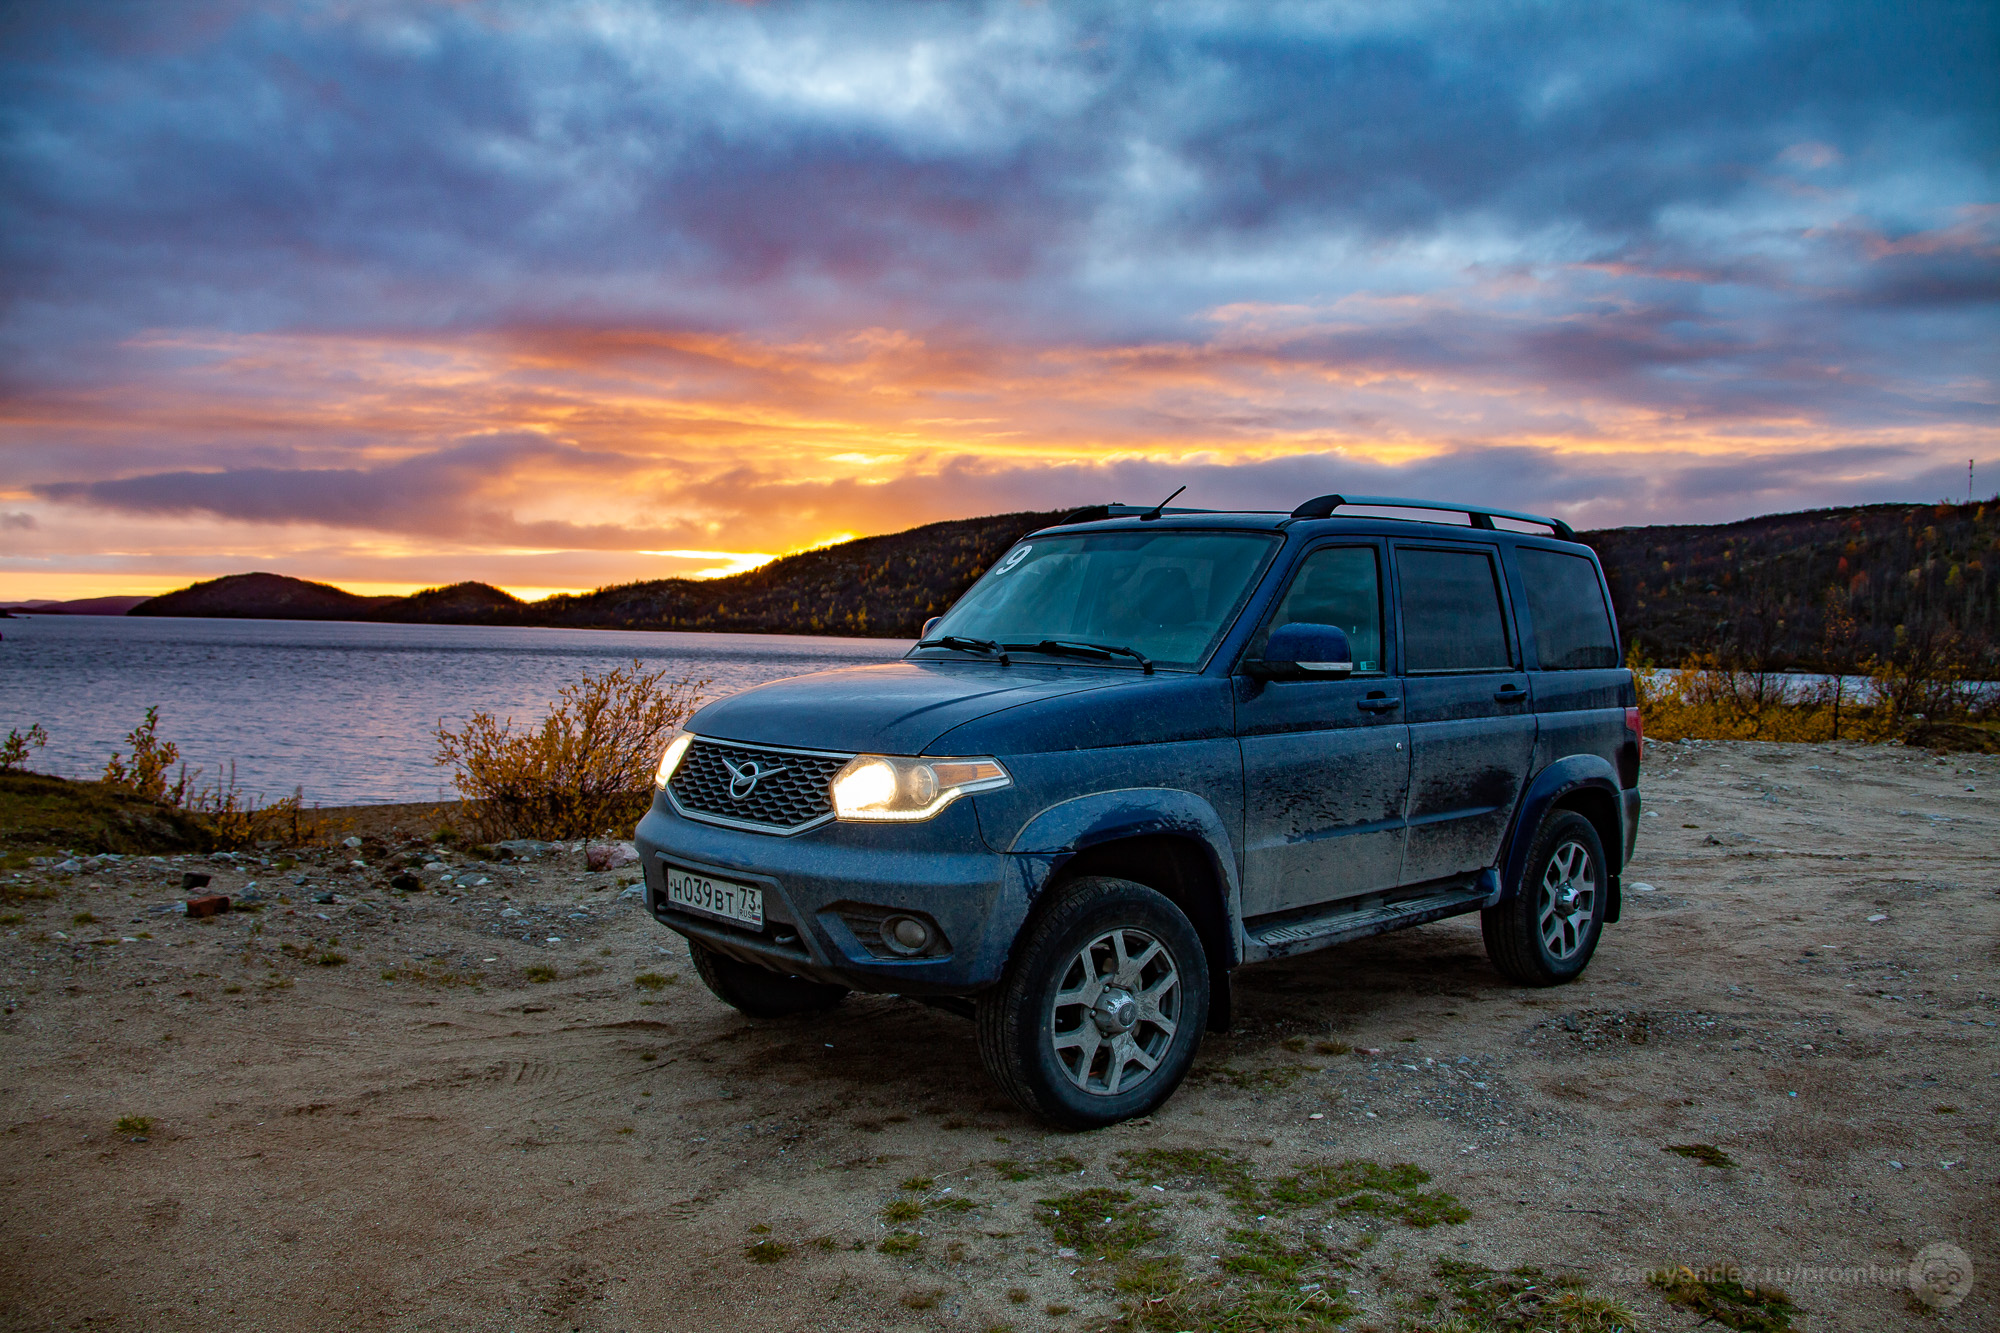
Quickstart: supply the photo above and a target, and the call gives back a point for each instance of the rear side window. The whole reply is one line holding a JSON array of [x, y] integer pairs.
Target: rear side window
[[1451, 611], [1566, 603]]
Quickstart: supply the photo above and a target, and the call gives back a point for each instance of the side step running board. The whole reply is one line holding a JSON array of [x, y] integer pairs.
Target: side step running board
[[1339, 927]]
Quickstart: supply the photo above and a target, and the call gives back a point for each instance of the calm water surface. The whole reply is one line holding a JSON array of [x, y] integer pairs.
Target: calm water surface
[[343, 710]]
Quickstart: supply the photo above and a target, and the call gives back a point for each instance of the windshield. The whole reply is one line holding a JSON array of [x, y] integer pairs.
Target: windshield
[[1166, 595]]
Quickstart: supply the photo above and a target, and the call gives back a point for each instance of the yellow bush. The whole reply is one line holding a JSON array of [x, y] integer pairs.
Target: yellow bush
[[587, 768]]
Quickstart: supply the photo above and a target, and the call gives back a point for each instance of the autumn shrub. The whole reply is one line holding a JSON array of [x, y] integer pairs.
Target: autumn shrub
[[230, 817], [14, 750], [1927, 679], [587, 767]]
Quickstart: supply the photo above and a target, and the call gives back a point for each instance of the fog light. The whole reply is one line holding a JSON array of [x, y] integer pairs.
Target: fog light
[[906, 934]]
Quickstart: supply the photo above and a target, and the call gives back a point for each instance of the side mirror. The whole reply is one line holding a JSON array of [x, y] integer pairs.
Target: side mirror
[[929, 625], [1304, 651]]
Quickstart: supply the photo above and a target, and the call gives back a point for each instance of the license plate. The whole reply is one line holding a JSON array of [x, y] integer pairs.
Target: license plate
[[742, 904]]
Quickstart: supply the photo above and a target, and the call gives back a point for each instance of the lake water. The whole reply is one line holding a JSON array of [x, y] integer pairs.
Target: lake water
[[343, 710]]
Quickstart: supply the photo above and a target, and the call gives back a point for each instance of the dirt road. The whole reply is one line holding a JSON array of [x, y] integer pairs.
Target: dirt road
[[425, 1136]]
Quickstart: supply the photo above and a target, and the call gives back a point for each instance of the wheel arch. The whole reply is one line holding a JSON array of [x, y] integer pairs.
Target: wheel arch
[[1171, 841], [1588, 785]]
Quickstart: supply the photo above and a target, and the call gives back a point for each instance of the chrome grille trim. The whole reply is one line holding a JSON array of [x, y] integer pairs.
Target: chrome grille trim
[[793, 802]]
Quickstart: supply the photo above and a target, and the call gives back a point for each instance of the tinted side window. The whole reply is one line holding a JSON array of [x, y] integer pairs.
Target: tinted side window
[[1572, 628], [1340, 585], [1451, 612]]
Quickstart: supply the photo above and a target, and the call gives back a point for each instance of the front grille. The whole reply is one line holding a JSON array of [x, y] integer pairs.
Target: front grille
[[782, 801]]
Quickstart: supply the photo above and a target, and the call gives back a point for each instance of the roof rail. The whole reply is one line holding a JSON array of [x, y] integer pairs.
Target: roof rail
[[1098, 513], [1481, 516]]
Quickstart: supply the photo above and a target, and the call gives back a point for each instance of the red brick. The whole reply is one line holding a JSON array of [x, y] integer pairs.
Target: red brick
[[208, 904]]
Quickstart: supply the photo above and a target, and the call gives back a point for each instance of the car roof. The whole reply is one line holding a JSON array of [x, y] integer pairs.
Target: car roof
[[1319, 516]]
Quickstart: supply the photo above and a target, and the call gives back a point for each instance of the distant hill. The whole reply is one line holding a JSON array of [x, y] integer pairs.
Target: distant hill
[[1754, 590], [262, 597], [459, 604], [882, 586], [82, 606]]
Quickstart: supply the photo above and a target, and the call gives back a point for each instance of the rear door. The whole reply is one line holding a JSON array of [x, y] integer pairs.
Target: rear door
[[1325, 762], [1472, 720], [1578, 682]]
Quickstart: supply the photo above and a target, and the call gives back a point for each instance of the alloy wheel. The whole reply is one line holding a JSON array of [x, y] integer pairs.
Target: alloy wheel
[[1568, 900], [1115, 1012]]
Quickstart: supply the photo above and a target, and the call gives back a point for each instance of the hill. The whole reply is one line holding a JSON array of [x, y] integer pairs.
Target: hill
[[262, 597], [81, 606], [878, 586], [1757, 592]]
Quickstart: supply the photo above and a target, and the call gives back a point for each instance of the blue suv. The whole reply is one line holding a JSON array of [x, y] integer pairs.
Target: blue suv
[[1150, 746]]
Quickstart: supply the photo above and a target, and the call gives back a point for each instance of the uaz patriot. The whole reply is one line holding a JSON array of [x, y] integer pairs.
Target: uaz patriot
[[1151, 746]]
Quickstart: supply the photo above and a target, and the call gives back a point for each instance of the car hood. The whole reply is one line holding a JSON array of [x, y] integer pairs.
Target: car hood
[[894, 708]]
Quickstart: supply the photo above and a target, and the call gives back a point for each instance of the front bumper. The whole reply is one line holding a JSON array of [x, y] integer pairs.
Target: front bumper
[[822, 888]]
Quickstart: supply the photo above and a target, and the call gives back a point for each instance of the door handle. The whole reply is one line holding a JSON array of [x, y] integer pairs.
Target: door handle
[[1509, 694], [1377, 705]]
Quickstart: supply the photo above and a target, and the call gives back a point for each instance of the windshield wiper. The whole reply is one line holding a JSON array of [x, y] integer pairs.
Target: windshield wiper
[[1077, 648], [961, 644]]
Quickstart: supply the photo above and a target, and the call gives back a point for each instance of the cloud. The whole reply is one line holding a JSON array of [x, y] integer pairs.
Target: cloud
[[620, 276]]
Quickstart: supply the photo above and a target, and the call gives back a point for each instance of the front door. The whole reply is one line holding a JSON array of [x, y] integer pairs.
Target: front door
[[1472, 722], [1325, 762]]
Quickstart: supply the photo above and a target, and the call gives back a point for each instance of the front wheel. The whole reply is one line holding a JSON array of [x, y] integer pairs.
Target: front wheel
[[1102, 1006], [760, 992], [1545, 934]]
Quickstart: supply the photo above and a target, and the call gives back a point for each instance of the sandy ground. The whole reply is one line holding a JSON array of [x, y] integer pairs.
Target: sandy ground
[[1809, 986]]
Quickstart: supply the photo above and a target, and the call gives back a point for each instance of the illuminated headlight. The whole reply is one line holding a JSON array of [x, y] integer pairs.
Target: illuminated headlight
[[671, 760], [886, 787]]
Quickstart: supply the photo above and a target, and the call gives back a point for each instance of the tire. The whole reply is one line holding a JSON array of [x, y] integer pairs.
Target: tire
[[1051, 1054], [760, 992], [1530, 938]]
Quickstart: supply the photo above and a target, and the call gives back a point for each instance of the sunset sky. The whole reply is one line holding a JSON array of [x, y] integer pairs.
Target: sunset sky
[[561, 294]]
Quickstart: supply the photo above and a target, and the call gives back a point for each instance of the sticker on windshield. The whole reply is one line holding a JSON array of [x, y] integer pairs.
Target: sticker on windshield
[[1014, 557]]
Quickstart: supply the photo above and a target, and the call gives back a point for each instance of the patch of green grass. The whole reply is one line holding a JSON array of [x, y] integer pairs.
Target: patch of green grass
[[1263, 1287], [824, 1244], [1527, 1300], [1055, 1309], [41, 814], [1393, 1192], [1018, 1295], [1151, 1275], [1187, 1168], [918, 1184], [921, 1300], [1099, 1222], [653, 981], [11, 918], [83, 919], [1716, 1295], [1705, 1153], [1271, 1078], [901, 1242], [766, 1251], [540, 973], [1060, 1165], [1333, 1048], [902, 1210], [134, 1124], [330, 958]]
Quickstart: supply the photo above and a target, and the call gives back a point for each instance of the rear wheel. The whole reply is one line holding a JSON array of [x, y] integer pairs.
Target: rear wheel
[[1102, 1006], [1545, 934], [760, 992]]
